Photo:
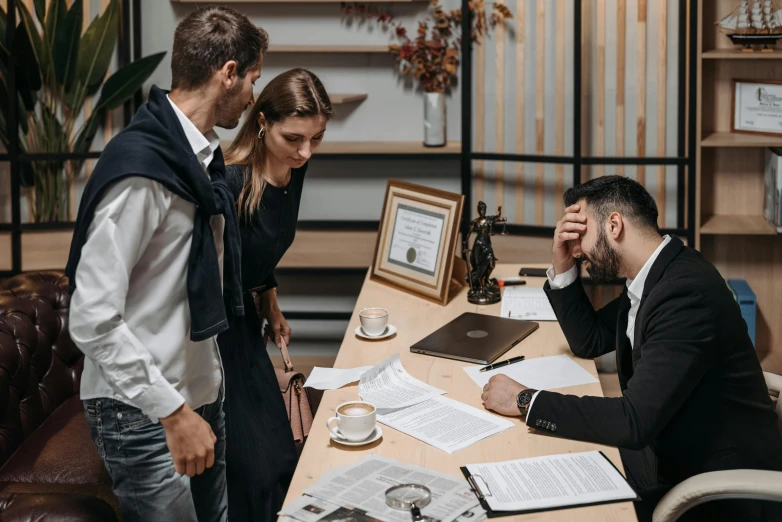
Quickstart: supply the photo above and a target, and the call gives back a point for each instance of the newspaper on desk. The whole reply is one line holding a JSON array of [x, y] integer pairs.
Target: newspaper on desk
[[359, 489]]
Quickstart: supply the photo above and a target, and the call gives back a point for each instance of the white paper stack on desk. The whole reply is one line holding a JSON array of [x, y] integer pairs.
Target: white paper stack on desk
[[419, 410]]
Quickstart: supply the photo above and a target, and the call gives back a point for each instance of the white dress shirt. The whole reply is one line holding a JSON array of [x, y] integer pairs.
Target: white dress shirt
[[129, 313], [635, 290]]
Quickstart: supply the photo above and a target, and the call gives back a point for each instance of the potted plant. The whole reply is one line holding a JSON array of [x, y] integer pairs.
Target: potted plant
[[431, 55], [57, 69]]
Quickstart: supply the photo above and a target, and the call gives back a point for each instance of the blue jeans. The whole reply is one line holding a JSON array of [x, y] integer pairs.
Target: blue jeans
[[134, 451]]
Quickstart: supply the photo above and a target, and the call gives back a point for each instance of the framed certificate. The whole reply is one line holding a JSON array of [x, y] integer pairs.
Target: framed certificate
[[416, 241], [757, 107]]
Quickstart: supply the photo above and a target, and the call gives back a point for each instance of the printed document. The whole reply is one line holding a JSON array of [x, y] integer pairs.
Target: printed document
[[530, 304], [541, 373], [334, 378], [550, 482], [362, 486], [388, 385], [444, 423]]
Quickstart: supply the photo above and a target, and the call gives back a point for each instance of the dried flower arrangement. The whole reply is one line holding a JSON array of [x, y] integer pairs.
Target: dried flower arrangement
[[432, 56]]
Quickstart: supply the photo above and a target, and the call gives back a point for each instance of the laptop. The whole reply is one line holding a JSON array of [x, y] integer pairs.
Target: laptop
[[475, 338]]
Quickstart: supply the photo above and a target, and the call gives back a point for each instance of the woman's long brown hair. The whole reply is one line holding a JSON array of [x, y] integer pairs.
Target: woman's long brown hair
[[297, 93]]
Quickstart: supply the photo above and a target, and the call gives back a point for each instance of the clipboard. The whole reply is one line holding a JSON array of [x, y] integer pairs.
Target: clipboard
[[482, 490]]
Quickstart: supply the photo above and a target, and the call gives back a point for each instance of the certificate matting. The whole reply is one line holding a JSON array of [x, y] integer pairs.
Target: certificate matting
[[416, 239]]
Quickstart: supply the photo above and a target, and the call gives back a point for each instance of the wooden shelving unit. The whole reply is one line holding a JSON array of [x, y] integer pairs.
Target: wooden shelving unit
[[341, 99], [731, 230], [737, 225], [732, 54], [328, 49], [731, 139]]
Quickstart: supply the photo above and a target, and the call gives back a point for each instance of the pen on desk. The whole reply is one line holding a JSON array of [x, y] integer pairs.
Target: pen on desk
[[503, 363], [511, 281]]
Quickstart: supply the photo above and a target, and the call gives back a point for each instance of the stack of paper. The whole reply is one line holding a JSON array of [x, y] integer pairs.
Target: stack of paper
[[541, 373], [417, 409], [334, 378], [552, 482], [530, 304], [358, 491]]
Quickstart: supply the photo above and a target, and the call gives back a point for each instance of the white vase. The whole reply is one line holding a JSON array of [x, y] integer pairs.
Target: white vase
[[434, 119]]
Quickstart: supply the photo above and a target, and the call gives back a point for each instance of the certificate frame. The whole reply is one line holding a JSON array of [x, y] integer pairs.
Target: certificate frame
[[739, 107], [416, 240]]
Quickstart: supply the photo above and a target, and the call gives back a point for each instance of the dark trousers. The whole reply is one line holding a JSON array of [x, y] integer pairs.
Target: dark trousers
[[642, 475]]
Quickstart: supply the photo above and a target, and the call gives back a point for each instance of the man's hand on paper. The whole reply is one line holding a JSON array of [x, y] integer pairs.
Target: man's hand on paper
[[500, 395]]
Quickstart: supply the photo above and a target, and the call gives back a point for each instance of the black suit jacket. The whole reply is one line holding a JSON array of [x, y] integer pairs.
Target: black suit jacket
[[693, 388]]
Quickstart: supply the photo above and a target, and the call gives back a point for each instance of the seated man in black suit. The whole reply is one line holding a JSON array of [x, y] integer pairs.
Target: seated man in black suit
[[693, 394]]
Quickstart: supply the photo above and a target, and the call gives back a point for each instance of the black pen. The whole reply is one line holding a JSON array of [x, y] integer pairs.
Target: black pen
[[503, 363]]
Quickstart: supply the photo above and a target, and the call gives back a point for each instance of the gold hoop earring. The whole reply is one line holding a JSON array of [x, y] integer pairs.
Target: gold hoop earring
[[261, 133]]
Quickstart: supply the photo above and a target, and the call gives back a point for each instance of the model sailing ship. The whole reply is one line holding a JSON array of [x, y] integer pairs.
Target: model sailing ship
[[754, 22]]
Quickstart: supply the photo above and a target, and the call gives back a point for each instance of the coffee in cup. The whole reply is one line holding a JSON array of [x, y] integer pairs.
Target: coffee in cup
[[373, 320], [355, 421]]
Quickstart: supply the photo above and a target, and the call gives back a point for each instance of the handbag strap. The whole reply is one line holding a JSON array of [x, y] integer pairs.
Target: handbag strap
[[286, 358]]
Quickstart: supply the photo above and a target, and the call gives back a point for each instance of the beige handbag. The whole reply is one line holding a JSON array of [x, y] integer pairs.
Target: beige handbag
[[297, 403]]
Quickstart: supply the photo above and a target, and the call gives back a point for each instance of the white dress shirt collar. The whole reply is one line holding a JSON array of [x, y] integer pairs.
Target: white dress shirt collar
[[203, 145], [635, 287]]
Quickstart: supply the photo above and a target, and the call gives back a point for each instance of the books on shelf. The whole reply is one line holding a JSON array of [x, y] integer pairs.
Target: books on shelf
[[773, 201]]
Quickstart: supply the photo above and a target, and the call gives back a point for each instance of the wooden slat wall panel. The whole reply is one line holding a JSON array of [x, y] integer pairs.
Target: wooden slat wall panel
[[600, 94], [621, 60], [662, 108], [641, 42], [540, 115], [499, 117], [521, 54], [559, 186], [480, 117]]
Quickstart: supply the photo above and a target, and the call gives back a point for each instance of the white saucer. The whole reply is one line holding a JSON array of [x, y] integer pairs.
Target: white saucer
[[376, 434], [389, 331]]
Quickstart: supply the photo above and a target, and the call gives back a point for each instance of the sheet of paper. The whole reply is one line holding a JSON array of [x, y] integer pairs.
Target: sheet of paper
[[309, 509], [362, 485], [530, 304], [333, 378], [550, 482], [388, 385], [541, 373], [445, 423]]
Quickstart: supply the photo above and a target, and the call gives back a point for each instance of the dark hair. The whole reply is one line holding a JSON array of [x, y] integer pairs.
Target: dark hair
[[208, 38], [616, 194], [295, 93]]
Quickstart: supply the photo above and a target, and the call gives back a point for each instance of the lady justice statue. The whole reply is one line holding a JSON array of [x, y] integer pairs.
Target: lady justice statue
[[481, 259]]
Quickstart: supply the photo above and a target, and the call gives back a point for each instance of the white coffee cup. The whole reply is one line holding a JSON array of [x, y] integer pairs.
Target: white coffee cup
[[355, 421], [373, 320]]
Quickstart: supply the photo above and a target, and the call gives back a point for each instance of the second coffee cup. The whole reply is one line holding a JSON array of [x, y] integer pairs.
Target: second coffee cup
[[373, 321], [355, 421]]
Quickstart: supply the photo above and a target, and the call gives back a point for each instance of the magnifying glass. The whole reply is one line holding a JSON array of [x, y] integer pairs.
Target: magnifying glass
[[409, 497]]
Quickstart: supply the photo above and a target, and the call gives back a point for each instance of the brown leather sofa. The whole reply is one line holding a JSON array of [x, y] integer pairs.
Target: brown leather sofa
[[50, 468]]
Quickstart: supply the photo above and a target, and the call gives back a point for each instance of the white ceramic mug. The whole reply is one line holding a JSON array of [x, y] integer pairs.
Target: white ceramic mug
[[373, 320], [355, 421]]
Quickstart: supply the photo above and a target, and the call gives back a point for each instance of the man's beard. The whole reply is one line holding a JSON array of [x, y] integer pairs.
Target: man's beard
[[604, 261], [230, 108]]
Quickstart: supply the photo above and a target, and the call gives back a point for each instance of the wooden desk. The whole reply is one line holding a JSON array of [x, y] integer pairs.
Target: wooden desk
[[415, 318]]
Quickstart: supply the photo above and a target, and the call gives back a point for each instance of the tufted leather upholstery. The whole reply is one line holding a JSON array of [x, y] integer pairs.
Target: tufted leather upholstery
[[46, 454]]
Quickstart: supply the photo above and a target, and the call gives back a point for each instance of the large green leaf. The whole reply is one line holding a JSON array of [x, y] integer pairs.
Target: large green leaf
[[87, 132], [66, 46], [125, 82], [2, 32], [97, 46], [32, 34], [40, 10], [28, 74], [55, 18]]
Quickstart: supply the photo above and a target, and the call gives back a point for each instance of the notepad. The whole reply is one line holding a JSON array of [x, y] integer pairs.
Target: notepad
[[547, 483], [530, 304]]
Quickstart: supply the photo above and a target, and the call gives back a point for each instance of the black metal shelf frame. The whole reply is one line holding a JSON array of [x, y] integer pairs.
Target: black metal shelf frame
[[684, 160]]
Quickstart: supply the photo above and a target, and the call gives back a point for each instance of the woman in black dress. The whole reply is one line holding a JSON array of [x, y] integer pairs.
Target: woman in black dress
[[267, 162]]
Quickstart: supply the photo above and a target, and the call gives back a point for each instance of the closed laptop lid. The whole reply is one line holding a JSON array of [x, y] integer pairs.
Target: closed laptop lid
[[475, 338]]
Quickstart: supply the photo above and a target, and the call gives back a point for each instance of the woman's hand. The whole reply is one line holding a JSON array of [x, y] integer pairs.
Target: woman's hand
[[278, 326]]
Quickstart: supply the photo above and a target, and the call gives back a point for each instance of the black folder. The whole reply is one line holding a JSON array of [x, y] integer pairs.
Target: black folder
[[496, 514]]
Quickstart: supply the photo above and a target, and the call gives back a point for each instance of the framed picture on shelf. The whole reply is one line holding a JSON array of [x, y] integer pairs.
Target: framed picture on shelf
[[757, 107], [417, 239]]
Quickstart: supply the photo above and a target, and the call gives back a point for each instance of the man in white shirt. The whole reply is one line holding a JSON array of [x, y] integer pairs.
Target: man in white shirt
[[693, 395], [149, 278]]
